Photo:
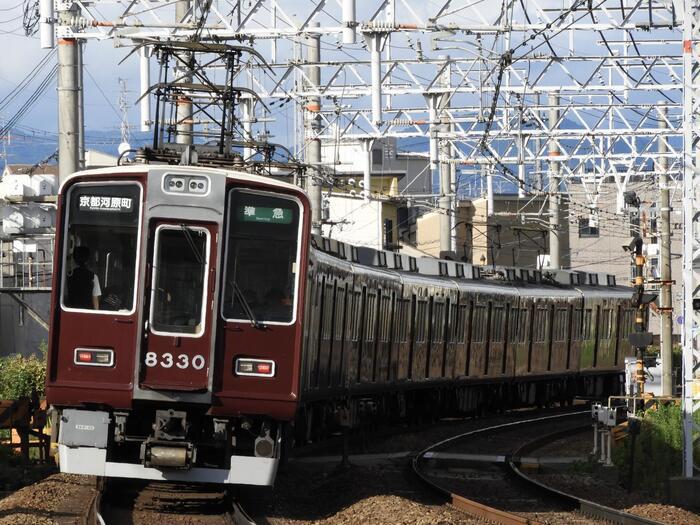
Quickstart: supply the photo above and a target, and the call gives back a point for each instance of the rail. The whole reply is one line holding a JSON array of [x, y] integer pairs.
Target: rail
[[507, 518], [586, 507]]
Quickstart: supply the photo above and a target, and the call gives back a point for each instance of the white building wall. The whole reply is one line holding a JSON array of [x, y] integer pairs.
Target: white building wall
[[355, 221]]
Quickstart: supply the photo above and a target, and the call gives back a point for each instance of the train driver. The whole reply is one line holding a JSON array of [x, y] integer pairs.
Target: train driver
[[83, 285]]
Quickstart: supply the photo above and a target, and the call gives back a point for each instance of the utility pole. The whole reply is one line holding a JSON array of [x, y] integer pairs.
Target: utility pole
[[312, 125], [68, 105], [183, 117], [554, 181], [445, 154], [665, 298], [81, 108]]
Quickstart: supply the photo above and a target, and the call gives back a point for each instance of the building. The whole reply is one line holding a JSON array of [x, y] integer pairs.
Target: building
[[395, 176], [597, 242], [515, 234]]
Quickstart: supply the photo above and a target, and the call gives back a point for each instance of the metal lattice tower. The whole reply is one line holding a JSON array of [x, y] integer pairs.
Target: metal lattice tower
[[617, 68]]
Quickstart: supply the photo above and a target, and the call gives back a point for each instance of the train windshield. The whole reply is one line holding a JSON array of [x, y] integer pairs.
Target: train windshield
[[179, 275], [99, 247], [262, 258]]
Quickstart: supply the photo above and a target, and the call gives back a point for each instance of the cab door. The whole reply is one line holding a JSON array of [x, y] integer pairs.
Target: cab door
[[176, 349]]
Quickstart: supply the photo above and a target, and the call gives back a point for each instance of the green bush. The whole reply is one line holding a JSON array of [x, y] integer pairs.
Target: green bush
[[21, 376], [658, 450]]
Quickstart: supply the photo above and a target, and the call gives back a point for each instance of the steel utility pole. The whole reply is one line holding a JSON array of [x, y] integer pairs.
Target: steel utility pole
[[554, 181], [665, 298], [68, 105], [312, 125]]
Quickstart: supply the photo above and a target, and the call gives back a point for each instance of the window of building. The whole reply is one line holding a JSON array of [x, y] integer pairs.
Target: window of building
[[377, 156], [585, 229]]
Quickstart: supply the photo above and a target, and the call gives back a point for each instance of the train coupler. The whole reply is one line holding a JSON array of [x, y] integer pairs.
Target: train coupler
[[168, 454]]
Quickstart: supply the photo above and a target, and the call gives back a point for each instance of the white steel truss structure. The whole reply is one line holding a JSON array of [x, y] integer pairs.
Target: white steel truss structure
[[691, 230], [468, 81]]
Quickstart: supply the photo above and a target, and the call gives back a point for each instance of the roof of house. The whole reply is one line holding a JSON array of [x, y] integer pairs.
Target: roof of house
[[31, 169]]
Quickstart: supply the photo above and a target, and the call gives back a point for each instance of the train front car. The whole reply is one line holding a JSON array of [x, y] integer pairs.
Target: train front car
[[176, 323]]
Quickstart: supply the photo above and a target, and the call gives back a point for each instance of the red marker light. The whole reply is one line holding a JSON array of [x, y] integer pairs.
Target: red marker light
[[254, 367], [264, 368], [85, 357]]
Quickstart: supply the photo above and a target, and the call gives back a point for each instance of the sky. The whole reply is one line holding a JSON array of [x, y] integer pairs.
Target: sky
[[101, 77]]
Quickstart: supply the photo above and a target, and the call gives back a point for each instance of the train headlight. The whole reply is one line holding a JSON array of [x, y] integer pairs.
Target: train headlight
[[93, 357], [255, 367]]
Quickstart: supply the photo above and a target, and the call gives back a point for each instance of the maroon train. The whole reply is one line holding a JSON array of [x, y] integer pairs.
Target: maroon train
[[196, 322]]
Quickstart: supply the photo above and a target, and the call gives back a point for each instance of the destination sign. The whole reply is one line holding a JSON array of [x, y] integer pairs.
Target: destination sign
[[264, 214], [105, 203]]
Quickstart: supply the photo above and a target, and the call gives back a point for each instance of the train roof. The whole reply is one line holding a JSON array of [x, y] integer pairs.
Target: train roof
[[431, 268], [146, 168]]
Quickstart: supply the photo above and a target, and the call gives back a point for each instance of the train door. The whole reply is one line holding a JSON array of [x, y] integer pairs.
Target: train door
[[588, 336], [176, 347], [606, 341], [574, 352], [523, 338]]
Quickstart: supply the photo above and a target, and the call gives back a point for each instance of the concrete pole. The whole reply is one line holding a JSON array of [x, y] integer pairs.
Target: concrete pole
[[366, 147], [184, 104], [374, 43], [445, 200], [489, 192], [349, 22], [247, 105], [312, 123], [665, 298], [68, 108], [145, 83], [81, 108], [554, 181]]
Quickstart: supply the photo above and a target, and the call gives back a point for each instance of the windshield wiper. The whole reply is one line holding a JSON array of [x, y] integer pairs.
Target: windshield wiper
[[190, 241], [247, 309]]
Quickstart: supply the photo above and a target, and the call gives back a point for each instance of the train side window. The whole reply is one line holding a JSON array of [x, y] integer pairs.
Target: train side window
[[586, 328], [479, 323], [560, 319], [576, 324], [100, 247], [385, 319], [540, 325], [328, 305], [339, 313], [356, 312], [514, 324], [421, 309], [523, 319], [457, 313], [370, 315], [498, 324], [606, 324], [438, 333]]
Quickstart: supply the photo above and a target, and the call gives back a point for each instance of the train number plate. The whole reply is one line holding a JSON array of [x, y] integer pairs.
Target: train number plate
[[168, 360]]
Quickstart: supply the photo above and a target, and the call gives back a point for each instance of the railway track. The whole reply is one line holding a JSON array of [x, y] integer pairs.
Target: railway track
[[129, 503], [489, 483]]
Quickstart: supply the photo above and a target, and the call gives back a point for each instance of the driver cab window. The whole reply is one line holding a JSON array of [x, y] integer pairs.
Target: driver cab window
[[99, 247]]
